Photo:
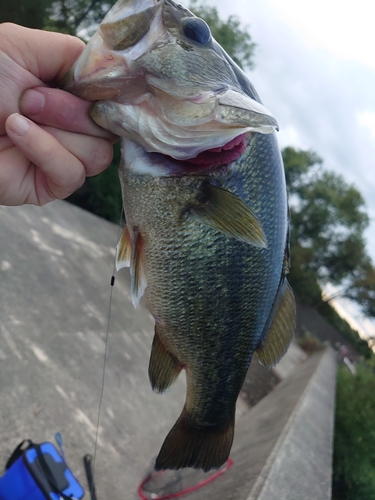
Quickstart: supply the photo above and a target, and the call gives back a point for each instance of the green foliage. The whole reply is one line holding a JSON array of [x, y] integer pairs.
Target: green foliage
[[354, 442], [327, 221], [309, 343], [363, 288], [302, 278], [29, 13], [297, 162], [328, 217], [101, 194], [234, 39], [70, 16]]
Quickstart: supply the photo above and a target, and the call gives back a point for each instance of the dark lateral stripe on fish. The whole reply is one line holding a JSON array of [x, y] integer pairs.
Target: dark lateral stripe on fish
[[197, 447]]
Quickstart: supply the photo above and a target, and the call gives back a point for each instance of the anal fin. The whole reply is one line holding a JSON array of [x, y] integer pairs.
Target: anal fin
[[281, 329], [199, 447], [164, 367], [222, 210]]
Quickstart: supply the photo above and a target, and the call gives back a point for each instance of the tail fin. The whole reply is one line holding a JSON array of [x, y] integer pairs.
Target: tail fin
[[198, 447]]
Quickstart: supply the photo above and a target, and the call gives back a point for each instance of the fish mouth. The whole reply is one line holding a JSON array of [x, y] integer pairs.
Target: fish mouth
[[142, 75], [215, 157], [159, 164]]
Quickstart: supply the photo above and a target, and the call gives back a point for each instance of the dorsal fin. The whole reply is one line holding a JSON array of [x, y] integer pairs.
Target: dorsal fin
[[137, 274], [225, 212], [281, 329], [123, 250]]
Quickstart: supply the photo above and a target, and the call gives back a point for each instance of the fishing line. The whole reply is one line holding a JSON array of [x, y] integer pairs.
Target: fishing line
[[91, 474]]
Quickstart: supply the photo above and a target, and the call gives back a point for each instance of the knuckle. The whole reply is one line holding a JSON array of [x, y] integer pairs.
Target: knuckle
[[102, 153]]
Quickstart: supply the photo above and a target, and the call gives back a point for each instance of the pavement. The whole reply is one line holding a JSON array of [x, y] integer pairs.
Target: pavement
[[56, 264]]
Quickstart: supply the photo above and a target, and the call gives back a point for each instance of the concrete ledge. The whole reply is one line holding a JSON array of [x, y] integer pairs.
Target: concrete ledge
[[302, 466], [283, 446]]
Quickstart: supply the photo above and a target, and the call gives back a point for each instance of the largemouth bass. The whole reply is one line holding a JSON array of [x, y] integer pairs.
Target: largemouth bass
[[206, 235]]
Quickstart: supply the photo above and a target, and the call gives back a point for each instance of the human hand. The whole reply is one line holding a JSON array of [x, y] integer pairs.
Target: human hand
[[49, 155]]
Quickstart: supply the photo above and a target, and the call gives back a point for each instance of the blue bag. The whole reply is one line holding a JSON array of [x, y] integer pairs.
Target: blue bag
[[38, 472]]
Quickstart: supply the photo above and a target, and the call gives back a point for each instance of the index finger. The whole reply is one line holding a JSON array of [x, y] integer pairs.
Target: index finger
[[46, 54], [60, 109]]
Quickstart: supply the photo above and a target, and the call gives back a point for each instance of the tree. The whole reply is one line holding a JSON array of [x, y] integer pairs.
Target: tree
[[71, 16], [298, 162], [29, 13], [328, 220], [362, 289], [234, 39]]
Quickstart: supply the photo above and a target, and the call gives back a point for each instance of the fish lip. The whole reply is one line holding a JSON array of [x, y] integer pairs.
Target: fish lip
[[95, 88]]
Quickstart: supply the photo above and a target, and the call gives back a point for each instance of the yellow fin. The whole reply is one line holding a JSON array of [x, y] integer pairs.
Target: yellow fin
[[281, 330], [137, 274], [225, 212], [164, 368], [123, 250]]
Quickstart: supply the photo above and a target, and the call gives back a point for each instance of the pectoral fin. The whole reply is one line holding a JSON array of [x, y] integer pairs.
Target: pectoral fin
[[164, 368], [225, 212], [123, 250], [137, 274], [281, 329]]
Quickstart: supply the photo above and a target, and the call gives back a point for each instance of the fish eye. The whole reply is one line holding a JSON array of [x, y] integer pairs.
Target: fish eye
[[196, 29]]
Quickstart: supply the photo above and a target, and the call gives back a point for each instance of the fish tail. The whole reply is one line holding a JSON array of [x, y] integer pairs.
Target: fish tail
[[199, 447]]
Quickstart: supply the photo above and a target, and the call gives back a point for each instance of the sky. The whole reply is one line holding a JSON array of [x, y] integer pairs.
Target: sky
[[315, 71]]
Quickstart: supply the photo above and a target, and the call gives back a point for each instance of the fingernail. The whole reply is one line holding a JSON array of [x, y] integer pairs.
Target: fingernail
[[32, 102], [18, 124]]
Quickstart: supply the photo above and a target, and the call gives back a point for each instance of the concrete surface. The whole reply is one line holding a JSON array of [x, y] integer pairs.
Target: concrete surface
[[56, 264], [286, 366], [296, 475]]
